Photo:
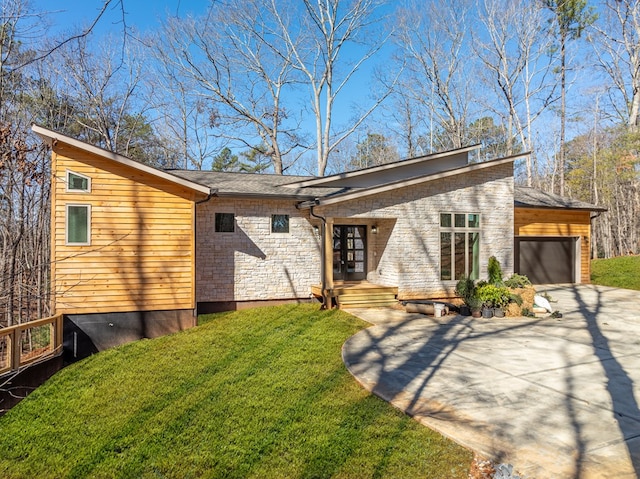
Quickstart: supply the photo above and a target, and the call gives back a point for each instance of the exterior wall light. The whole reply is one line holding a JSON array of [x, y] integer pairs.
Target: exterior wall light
[[374, 229]]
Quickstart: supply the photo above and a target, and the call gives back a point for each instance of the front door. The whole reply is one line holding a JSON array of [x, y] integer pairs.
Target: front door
[[349, 253]]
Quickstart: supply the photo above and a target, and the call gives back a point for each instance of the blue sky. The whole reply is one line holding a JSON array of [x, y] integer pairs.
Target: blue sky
[[143, 14]]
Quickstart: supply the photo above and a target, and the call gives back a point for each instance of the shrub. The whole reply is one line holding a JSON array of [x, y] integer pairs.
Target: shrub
[[492, 295], [466, 289], [495, 271], [517, 281], [515, 298]]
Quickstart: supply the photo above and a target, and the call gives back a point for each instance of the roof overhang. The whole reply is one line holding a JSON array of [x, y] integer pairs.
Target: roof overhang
[[53, 139], [330, 200], [327, 180]]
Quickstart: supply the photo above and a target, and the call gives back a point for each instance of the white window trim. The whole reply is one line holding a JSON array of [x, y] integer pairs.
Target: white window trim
[[66, 224], [459, 229], [73, 190]]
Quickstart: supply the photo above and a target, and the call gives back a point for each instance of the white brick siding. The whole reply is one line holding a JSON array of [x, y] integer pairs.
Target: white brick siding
[[254, 264]]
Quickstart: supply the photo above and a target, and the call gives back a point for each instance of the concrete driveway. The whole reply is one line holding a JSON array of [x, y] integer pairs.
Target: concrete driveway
[[557, 398]]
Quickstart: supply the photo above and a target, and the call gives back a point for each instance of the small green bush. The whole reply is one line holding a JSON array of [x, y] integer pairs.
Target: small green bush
[[515, 298], [466, 289], [517, 281], [495, 271], [494, 296]]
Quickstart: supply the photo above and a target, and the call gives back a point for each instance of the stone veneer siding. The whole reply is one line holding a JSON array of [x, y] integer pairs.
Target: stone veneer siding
[[406, 251], [253, 264]]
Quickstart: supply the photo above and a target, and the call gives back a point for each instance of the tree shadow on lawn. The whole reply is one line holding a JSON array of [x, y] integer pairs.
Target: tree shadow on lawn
[[220, 445]]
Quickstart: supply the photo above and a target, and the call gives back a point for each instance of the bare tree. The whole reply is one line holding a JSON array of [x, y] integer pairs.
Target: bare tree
[[405, 118], [434, 37], [104, 85], [515, 54], [255, 60], [186, 121], [230, 55], [569, 19], [616, 42], [318, 44]]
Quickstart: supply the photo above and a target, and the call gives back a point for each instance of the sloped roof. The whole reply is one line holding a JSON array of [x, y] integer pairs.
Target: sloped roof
[[309, 188], [394, 171], [55, 140], [350, 194], [525, 196], [252, 184]]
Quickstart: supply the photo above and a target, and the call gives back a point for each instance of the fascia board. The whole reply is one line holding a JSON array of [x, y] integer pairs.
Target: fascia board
[[411, 182], [375, 169], [52, 137]]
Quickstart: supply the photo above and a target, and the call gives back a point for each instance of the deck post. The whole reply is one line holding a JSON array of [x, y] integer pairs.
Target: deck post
[[328, 262]]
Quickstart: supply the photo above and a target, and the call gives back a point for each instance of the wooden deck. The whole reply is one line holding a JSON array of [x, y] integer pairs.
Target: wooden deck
[[30, 342], [359, 294]]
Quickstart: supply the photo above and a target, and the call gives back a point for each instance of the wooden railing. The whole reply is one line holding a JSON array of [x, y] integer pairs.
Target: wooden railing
[[26, 343]]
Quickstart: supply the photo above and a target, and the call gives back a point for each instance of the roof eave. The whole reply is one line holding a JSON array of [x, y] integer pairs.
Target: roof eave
[[601, 209], [373, 169], [324, 201], [264, 196], [52, 138]]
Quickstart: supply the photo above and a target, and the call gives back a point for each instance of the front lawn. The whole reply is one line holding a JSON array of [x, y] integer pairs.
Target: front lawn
[[257, 393], [620, 272]]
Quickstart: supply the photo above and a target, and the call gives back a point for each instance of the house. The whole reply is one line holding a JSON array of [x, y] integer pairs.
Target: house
[[138, 251]]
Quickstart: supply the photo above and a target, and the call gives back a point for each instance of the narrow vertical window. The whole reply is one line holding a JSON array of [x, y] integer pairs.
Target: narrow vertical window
[[78, 224], [446, 267]]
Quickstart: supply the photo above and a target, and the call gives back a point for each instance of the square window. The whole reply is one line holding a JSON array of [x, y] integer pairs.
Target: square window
[[279, 223], [474, 220], [445, 220], [78, 224], [225, 222], [460, 220], [78, 182]]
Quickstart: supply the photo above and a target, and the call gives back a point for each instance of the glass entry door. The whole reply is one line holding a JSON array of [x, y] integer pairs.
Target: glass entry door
[[349, 253]]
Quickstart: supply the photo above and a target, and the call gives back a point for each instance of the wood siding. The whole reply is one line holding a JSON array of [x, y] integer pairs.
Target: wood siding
[[550, 222], [141, 252]]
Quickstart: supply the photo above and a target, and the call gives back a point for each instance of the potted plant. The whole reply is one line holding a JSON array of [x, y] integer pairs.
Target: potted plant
[[466, 289], [475, 305], [495, 299], [487, 310]]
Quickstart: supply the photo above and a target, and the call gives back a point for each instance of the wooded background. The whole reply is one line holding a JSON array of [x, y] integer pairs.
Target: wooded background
[[318, 87]]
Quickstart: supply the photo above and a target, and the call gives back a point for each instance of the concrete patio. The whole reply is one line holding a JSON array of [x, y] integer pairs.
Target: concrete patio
[[557, 398]]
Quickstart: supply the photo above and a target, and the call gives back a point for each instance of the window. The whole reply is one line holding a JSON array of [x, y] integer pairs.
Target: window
[[459, 245], [279, 223], [78, 224], [225, 222], [78, 182]]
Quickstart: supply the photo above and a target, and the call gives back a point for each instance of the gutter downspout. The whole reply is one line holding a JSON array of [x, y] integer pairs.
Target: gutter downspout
[[323, 253], [211, 194]]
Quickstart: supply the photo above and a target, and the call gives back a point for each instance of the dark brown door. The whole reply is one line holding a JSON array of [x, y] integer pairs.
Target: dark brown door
[[349, 253], [546, 260]]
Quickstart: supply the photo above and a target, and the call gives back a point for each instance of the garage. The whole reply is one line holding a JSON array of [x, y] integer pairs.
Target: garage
[[552, 237], [546, 260]]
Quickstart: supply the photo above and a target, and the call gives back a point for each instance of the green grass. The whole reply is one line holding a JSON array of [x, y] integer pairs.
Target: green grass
[[260, 393], [620, 272]]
